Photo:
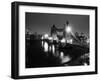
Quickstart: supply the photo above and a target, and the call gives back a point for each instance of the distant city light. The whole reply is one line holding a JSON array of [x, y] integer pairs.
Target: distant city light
[[87, 40], [68, 29]]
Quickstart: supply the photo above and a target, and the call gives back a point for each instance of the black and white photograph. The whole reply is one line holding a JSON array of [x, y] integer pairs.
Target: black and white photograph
[[54, 40], [50, 40]]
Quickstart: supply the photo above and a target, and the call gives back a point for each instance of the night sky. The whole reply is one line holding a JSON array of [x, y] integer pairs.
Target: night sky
[[42, 22]]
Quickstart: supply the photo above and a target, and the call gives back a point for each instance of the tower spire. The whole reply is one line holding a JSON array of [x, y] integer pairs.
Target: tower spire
[[67, 23]]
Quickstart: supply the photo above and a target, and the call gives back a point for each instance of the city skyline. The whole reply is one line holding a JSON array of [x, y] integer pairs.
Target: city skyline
[[42, 22]]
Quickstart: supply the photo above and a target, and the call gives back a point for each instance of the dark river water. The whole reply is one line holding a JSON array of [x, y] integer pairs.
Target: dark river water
[[43, 54]]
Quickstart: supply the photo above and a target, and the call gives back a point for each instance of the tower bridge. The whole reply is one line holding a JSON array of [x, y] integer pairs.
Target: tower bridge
[[67, 34]]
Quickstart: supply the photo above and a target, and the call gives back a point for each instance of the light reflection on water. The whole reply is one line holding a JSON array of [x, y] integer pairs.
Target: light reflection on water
[[50, 48], [61, 55], [53, 49], [42, 43], [45, 47], [85, 64], [65, 59], [55, 52]]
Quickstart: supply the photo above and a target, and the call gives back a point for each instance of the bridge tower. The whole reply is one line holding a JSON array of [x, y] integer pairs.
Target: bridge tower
[[68, 32]]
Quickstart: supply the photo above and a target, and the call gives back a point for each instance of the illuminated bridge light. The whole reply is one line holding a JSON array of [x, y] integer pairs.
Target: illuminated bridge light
[[70, 41], [68, 29], [46, 36], [87, 40], [50, 38], [63, 40]]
